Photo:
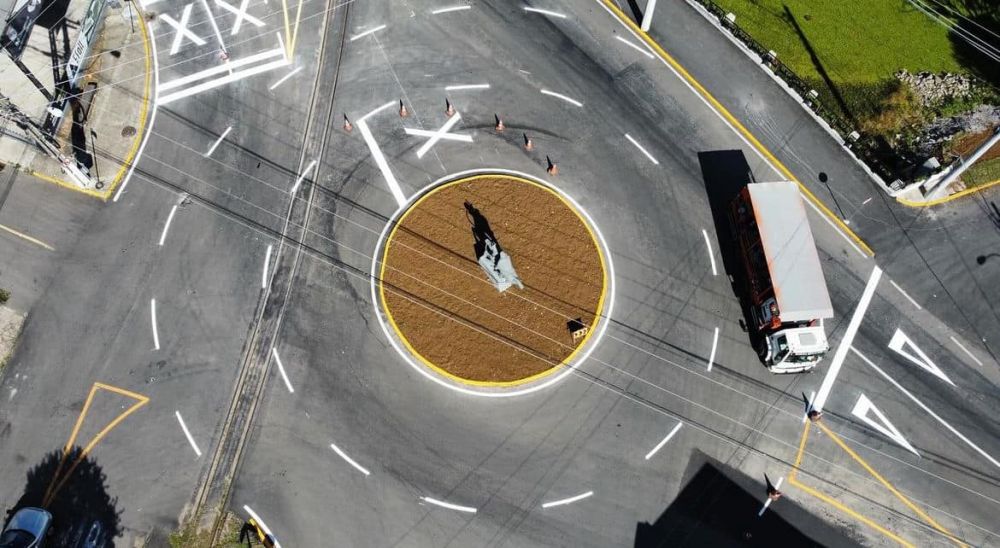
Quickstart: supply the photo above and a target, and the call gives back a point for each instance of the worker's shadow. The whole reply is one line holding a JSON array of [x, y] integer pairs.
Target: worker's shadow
[[726, 173], [481, 231]]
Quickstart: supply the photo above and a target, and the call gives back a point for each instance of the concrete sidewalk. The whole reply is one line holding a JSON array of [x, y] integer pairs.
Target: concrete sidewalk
[[120, 64]]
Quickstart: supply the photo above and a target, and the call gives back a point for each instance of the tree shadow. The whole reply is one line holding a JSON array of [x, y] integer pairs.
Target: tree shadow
[[719, 506], [726, 173], [982, 21], [84, 514]]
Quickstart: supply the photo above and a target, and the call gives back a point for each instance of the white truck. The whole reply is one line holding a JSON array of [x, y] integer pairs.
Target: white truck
[[786, 287]]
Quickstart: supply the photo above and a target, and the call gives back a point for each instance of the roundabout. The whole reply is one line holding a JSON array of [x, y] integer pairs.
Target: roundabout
[[456, 319]]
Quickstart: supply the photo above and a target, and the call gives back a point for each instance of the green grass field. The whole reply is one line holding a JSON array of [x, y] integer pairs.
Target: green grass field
[[859, 44]]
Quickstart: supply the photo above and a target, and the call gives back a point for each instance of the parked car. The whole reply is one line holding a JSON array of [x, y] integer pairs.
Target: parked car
[[26, 529]]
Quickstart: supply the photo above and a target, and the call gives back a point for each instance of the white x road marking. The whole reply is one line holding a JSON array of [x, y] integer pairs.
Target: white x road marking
[[240, 14], [182, 29], [435, 136]]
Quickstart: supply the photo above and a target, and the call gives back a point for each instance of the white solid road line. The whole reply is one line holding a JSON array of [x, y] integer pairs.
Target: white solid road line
[[570, 500], [812, 398], [281, 44], [218, 82], [561, 96], [925, 408], [664, 441], [305, 173], [635, 47], [544, 12], [166, 225], [715, 344], [200, 75], [367, 32], [466, 86], [768, 501], [215, 27], [152, 117], [390, 104], [263, 525], [966, 350], [905, 294], [449, 10], [215, 145], [711, 255], [439, 134], [187, 433], [152, 317], [349, 460], [847, 340], [383, 166], [448, 505], [267, 266], [283, 78], [647, 16], [641, 149], [281, 369]]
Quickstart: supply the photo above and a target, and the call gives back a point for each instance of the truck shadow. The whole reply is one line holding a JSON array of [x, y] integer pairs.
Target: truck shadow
[[719, 506], [725, 173], [84, 515]]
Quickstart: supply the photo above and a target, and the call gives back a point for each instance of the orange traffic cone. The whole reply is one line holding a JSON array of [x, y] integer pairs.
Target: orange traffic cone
[[347, 124], [449, 109], [552, 169], [403, 113], [499, 127], [528, 145]]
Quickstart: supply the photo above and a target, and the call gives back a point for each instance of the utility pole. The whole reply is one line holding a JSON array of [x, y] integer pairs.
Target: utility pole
[[10, 111]]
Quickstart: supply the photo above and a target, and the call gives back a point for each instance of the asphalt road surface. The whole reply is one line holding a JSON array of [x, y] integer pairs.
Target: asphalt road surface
[[228, 288]]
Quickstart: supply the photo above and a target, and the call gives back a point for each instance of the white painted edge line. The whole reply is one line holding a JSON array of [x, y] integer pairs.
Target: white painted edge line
[[219, 82], [847, 340], [202, 74], [966, 350], [544, 12], [187, 433], [349, 460], [302, 176], [636, 47], [376, 111], [367, 32], [768, 501], [570, 500], [152, 116], [267, 266], [812, 398], [715, 344], [905, 294], [215, 145], [733, 129], [166, 225], [448, 505], [281, 369], [466, 86], [664, 440], [711, 255], [451, 9], [285, 77], [152, 317], [561, 96], [263, 525], [641, 149], [925, 408], [424, 370]]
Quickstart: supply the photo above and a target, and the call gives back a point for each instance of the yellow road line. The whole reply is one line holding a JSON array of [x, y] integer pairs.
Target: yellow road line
[[954, 196], [26, 237], [71, 186], [840, 506], [494, 384], [288, 31], [55, 484], [734, 122], [888, 485], [295, 31]]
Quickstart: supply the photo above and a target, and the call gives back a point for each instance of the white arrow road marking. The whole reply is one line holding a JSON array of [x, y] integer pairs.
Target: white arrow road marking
[[900, 341], [883, 425]]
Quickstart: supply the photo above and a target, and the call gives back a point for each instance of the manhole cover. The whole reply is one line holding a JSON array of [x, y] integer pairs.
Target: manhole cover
[[128, 131]]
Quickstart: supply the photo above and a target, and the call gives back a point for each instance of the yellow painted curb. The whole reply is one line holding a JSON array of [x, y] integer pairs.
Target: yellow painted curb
[[734, 122], [947, 199], [493, 384]]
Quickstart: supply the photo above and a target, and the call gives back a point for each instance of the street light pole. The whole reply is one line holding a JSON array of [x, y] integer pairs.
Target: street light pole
[[93, 147]]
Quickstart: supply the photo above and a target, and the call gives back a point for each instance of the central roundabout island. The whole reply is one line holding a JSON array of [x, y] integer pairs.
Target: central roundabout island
[[492, 281]]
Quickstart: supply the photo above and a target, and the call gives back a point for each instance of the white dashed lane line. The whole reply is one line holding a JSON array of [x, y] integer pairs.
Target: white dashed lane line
[[966, 350], [281, 369], [715, 345], [367, 32], [451, 9], [641, 149], [218, 141], [463, 87], [267, 530], [448, 505], [284, 78], [569, 100], [544, 12], [267, 267], [664, 440], [905, 294], [187, 433], [152, 317], [711, 255], [570, 500], [349, 460], [166, 225], [634, 46], [300, 178]]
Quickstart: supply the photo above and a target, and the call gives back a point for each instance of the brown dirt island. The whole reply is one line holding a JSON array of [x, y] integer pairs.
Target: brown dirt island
[[450, 315]]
